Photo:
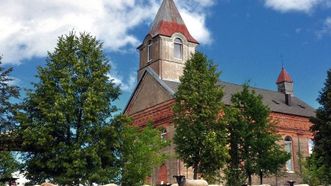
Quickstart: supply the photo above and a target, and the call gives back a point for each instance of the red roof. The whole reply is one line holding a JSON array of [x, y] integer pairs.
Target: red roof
[[284, 77], [167, 28]]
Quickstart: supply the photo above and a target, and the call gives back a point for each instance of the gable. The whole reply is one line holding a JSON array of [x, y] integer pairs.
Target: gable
[[149, 92]]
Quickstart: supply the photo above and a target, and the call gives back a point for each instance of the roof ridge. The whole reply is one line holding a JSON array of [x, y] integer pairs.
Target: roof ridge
[[253, 87]]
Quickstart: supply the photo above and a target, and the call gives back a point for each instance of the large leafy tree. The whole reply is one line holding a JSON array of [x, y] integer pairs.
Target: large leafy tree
[[8, 92], [252, 138], [139, 151], [322, 131], [66, 117], [200, 137]]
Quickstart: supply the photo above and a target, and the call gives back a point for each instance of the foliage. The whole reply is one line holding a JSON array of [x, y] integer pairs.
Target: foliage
[[234, 173], [65, 122], [200, 137], [140, 151], [311, 173], [8, 92], [322, 130], [8, 165], [252, 139]]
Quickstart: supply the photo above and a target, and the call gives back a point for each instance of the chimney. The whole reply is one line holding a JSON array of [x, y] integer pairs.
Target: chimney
[[288, 99]]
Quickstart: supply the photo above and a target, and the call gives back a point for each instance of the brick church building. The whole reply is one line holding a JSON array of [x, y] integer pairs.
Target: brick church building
[[163, 54]]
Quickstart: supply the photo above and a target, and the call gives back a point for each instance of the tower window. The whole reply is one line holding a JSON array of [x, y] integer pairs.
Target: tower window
[[149, 51], [178, 48], [288, 149]]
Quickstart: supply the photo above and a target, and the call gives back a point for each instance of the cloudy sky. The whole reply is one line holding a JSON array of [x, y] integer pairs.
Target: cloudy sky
[[249, 40]]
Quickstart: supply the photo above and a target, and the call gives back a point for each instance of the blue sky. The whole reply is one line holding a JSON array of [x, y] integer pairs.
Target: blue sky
[[248, 39]]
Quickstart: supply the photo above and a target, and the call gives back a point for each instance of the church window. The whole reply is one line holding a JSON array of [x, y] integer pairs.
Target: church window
[[288, 149], [149, 51], [178, 48]]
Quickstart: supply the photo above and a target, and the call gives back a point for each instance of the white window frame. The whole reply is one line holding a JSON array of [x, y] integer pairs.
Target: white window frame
[[164, 133], [311, 145]]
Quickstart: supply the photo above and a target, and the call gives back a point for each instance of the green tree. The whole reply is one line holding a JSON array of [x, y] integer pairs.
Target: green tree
[[200, 137], [8, 92], [311, 173], [67, 115], [140, 151], [234, 173], [252, 138], [322, 131], [8, 165]]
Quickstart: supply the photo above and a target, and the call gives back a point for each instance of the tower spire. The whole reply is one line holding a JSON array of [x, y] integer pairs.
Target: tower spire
[[168, 21]]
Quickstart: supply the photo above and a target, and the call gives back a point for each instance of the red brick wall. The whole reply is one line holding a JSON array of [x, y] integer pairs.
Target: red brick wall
[[160, 114], [297, 127]]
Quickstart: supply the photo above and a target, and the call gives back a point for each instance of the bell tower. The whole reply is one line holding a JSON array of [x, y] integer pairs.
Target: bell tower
[[168, 45]]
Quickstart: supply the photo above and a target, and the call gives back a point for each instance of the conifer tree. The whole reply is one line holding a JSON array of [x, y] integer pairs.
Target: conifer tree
[[65, 123], [322, 131], [8, 92], [200, 137], [252, 139]]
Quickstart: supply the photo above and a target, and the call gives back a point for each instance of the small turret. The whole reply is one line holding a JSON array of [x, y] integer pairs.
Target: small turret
[[285, 85]]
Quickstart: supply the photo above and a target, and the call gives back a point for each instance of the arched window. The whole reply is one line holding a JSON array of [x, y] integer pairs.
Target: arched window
[[178, 48], [149, 51], [288, 149]]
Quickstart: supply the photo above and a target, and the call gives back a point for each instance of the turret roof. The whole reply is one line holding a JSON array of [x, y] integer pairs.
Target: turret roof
[[168, 21], [284, 77]]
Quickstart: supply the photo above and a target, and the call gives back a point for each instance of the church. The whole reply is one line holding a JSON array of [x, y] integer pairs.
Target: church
[[163, 53]]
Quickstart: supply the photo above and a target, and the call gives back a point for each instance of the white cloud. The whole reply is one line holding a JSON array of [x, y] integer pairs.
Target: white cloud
[[126, 85], [326, 29], [194, 14], [30, 28], [14, 81], [294, 5]]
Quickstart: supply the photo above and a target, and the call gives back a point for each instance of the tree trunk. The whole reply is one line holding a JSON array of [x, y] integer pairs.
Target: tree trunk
[[79, 125], [249, 179], [195, 172], [261, 177]]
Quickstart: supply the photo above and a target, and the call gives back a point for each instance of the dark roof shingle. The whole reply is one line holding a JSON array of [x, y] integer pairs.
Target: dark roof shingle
[[273, 99]]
